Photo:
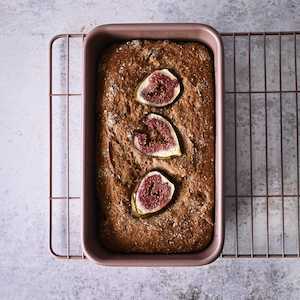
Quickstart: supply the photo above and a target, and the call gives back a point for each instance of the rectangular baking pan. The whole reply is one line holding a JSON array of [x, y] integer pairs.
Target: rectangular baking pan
[[95, 41]]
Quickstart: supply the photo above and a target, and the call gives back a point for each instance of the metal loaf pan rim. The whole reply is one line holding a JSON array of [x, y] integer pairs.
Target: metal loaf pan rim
[[94, 42]]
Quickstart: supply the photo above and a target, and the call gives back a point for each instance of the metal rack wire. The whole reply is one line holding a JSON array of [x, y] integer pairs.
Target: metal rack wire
[[261, 145]]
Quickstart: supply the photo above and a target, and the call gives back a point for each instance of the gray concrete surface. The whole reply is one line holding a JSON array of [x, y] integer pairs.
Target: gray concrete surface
[[26, 269]]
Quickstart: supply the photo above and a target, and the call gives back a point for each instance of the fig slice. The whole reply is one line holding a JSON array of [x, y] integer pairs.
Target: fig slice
[[158, 89], [157, 137], [153, 193]]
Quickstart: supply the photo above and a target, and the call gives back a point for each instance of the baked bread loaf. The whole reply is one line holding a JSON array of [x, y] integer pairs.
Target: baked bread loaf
[[187, 223]]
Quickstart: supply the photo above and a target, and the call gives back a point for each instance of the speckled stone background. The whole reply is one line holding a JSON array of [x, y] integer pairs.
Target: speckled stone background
[[26, 269]]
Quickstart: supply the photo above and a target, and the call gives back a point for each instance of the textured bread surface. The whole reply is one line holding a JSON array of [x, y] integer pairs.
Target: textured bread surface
[[186, 225]]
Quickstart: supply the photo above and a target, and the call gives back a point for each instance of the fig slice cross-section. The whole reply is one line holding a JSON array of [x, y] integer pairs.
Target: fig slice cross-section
[[158, 89], [157, 137], [153, 193]]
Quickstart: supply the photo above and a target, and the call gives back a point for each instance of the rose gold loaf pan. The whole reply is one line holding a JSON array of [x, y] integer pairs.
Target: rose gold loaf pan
[[96, 44]]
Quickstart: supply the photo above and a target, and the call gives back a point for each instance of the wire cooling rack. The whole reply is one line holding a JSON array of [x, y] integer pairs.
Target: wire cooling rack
[[262, 210]]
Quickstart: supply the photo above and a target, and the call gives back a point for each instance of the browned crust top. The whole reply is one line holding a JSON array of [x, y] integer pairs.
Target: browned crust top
[[187, 224]]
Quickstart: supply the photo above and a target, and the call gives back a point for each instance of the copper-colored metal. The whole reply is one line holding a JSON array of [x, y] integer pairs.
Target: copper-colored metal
[[297, 147], [235, 149], [95, 41], [67, 197], [281, 152], [266, 148], [250, 135], [281, 196]]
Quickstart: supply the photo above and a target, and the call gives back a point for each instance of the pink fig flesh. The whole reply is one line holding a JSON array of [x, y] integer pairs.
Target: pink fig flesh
[[159, 89], [153, 194], [157, 138]]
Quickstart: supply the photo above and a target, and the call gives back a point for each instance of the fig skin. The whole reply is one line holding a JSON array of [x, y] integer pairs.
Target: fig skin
[[137, 209], [146, 82], [134, 211], [173, 151]]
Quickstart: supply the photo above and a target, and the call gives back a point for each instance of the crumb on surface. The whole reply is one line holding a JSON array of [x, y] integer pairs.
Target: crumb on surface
[[187, 223]]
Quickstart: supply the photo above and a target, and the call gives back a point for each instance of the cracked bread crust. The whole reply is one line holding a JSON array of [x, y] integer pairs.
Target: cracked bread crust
[[186, 225]]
